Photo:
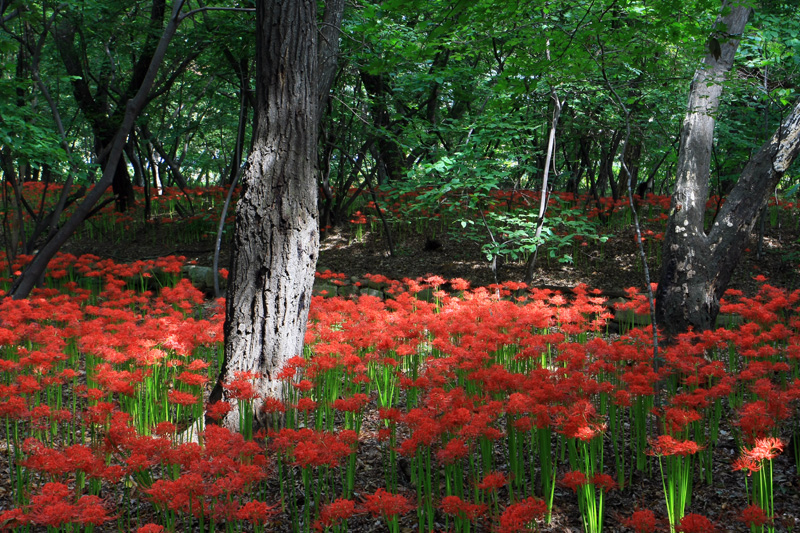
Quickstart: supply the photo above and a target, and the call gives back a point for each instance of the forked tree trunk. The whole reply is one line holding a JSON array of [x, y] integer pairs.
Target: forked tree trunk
[[276, 238], [697, 266]]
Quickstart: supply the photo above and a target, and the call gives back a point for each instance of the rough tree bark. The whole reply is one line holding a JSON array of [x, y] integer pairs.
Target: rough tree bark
[[276, 239], [697, 266]]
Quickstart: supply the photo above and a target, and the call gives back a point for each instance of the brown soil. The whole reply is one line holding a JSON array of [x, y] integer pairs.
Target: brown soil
[[611, 267]]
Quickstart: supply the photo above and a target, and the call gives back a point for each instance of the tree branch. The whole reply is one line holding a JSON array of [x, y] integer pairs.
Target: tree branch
[[25, 283]]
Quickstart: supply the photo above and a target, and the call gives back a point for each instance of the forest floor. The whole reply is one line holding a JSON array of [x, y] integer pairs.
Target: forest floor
[[613, 267]]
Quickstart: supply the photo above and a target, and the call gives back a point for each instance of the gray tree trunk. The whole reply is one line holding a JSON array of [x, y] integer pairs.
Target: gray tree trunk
[[276, 239], [697, 266]]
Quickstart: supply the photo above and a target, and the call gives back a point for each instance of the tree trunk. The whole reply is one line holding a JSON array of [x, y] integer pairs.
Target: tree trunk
[[698, 266], [276, 239], [390, 153]]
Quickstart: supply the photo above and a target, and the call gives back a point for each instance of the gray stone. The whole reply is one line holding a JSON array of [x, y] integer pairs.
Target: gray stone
[[628, 316], [202, 277], [372, 292], [378, 286], [330, 289], [348, 290], [425, 295]]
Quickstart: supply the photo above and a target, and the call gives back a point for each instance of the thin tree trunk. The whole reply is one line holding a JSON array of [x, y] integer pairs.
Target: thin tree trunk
[[543, 200], [25, 283]]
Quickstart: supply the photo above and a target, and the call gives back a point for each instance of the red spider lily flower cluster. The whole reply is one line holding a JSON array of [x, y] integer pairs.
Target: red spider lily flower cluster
[[574, 480], [666, 445], [313, 448], [695, 523], [335, 513], [518, 517], [55, 507], [455, 506], [487, 370], [754, 516], [643, 521], [387, 505], [765, 449]]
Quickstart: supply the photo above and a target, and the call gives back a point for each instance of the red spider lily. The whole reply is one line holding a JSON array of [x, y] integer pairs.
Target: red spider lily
[[151, 528], [52, 508], [182, 398], [759, 459], [334, 513], [256, 512], [186, 455], [306, 405], [174, 495], [42, 415], [164, 429], [604, 482], [304, 385], [518, 403], [353, 404], [241, 388], [44, 459], [313, 448], [454, 417], [765, 449], [574, 480], [643, 521], [755, 420], [754, 516], [493, 481], [455, 506], [517, 517], [218, 410], [480, 425], [92, 511], [466, 335], [666, 445], [14, 408], [453, 451], [747, 464], [581, 422], [273, 405], [425, 431], [676, 419], [197, 365], [588, 432], [190, 378], [695, 523], [458, 284], [391, 414], [12, 519], [386, 504], [117, 381]]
